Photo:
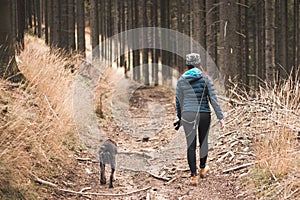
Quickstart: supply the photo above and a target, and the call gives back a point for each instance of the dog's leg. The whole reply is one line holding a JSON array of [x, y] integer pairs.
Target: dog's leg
[[111, 178], [102, 173]]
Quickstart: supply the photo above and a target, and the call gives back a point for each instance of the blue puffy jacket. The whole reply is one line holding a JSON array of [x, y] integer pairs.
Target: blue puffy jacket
[[193, 89]]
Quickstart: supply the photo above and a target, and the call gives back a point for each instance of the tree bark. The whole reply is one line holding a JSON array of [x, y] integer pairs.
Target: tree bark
[[71, 25], [145, 41], [21, 24], [270, 38], [8, 66], [211, 36], [80, 26], [296, 40], [136, 53], [94, 28], [55, 29], [229, 40], [63, 22]]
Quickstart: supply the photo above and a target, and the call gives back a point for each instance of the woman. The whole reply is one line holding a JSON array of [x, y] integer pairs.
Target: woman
[[194, 92]]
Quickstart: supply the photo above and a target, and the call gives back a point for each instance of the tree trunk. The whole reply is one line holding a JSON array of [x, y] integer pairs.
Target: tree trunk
[[39, 18], [229, 40], [63, 22], [136, 53], [46, 13], [211, 36], [8, 66], [21, 24], [281, 39], [156, 52], [260, 41], [180, 60], [94, 28], [80, 26], [246, 49], [296, 38], [55, 29], [198, 26], [145, 41], [270, 38], [29, 12], [71, 25]]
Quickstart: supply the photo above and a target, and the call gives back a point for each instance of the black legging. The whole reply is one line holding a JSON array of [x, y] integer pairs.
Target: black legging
[[203, 123]]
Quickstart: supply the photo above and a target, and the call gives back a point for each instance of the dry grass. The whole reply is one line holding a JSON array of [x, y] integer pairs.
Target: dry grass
[[36, 127], [272, 118]]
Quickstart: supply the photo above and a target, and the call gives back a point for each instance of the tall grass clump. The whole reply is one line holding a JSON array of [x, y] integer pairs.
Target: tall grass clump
[[272, 120], [37, 132]]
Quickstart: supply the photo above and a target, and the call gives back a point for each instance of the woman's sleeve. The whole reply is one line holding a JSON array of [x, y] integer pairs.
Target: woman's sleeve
[[213, 98], [178, 100]]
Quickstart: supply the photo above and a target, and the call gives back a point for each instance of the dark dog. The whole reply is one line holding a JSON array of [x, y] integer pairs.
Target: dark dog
[[107, 155]]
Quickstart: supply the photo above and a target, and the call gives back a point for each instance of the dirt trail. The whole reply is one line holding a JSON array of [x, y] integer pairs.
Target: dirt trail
[[140, 120]]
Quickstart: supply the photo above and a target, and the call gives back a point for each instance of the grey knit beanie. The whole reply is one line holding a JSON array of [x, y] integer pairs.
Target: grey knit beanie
[[193, 59]]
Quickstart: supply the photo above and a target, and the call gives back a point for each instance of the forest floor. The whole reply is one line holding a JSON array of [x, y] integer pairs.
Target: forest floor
[[37, 131], [151, 163]]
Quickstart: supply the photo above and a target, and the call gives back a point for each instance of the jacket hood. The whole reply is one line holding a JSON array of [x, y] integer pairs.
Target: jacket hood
[[192, 75]]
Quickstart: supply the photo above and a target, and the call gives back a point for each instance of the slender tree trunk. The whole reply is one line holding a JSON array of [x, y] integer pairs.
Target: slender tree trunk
[[180, 28], [145, 41], [281, 39], [247, 40], [71, 25], [211, 36], [80, 26], [128, 38], [101, 27], [35, 24], [94, 28], [21, 24], [110, 32], [64, 25], [29, 12], [260, 41], [296, 39], [198, 26], [13, 11], [164, 6], [270, 38], [136, 53], [156, 51], [39, 18], [55, 29], [46, 11]]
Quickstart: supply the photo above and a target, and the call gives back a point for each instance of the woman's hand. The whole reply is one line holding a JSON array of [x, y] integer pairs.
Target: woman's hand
[[222, 123]]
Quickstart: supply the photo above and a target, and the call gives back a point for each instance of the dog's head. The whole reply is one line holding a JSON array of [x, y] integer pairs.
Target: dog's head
[[112, 141]]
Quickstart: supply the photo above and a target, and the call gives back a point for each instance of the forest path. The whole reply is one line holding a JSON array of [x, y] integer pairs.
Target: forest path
[[152, 155]]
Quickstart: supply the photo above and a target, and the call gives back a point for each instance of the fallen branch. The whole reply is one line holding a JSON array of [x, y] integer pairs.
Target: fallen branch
[[105, 194], [81, 192], [170, 181], [159, 177], [227, 134], [86, 159], [37, 179], [239, 167]]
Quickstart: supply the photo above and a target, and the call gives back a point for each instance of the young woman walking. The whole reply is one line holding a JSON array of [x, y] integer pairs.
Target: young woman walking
[[194, 92]]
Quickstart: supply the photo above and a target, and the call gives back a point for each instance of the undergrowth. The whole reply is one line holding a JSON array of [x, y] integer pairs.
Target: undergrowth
[[273, 119], [37, 132]]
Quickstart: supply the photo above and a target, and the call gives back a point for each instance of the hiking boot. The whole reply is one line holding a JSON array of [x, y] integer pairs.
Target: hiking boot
[[194, 180], [204, 171]]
